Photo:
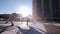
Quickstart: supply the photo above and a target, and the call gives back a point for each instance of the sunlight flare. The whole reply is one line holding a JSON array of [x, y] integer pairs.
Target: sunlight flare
[[25, 11]]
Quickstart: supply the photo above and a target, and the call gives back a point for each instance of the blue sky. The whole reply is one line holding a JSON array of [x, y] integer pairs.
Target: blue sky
[[10, 6]]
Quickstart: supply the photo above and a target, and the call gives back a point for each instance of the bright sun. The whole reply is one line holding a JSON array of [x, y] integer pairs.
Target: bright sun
[[25, 11]]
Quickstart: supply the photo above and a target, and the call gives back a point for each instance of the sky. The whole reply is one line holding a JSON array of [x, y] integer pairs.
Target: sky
[[18, 6]]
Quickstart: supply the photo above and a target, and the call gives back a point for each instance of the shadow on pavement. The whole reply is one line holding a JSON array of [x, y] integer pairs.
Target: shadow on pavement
[[30, 31]]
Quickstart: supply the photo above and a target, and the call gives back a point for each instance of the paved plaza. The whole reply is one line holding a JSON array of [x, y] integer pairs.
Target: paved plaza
[[31, 28]]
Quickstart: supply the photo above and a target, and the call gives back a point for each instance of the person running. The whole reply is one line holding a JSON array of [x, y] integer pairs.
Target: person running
[[11, 18]]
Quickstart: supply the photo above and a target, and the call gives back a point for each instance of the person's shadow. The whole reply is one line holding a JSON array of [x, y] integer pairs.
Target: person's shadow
[[30, 31]]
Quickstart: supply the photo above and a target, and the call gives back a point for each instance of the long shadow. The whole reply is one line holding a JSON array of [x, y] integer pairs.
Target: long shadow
[[30, 31], [3, 28]]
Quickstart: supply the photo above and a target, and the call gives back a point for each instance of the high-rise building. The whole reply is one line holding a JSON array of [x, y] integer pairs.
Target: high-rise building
[[46, 9]]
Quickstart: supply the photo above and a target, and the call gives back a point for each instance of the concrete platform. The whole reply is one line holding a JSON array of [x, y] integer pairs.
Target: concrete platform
[[33, 28]]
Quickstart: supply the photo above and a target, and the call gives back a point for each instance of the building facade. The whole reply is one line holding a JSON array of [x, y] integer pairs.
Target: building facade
[[46, 10]]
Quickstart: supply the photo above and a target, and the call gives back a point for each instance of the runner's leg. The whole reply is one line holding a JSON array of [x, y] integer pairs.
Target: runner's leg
[[6, 22], [12, 23]]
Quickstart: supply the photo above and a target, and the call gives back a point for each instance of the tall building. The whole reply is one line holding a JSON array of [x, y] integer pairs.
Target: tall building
[[46, 9]]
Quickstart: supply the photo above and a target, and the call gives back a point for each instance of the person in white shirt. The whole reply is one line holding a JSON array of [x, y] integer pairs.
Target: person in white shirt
[[12, 18]]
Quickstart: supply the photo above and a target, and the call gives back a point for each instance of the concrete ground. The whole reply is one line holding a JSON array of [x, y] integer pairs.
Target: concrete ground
[[32, 28]]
